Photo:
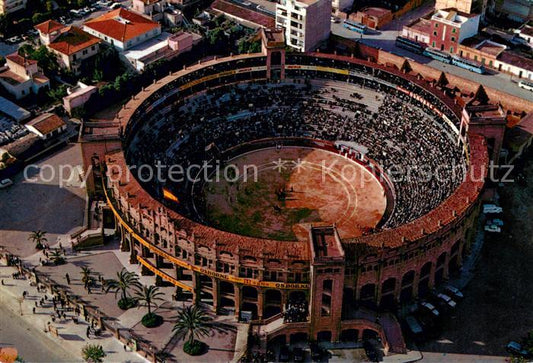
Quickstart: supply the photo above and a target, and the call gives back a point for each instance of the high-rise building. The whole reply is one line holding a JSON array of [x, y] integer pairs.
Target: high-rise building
[[306, 22], [10, 6]]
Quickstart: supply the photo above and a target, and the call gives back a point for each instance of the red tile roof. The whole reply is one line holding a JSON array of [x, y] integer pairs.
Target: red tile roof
[[49, 26], [72, 40], [122, 24], [20, 60], [46, 123]]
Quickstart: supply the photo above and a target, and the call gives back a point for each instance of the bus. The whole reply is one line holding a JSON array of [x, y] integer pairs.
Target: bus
[[437, 55], [526, 85], [468, 64], [354, 26], [410, 45]]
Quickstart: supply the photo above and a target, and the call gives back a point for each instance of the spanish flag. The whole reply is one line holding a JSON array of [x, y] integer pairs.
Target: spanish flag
[[167, 194]]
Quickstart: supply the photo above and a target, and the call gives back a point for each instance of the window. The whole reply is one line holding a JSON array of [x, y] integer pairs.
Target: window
[[433, 44], [436, 25], [435, 33], [454, 30], [92, 48], [453, 39], [85, 52], [327, 285], [451, 49]]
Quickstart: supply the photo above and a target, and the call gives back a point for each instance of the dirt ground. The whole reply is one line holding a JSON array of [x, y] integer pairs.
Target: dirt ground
[[317, 186], [498, 301]]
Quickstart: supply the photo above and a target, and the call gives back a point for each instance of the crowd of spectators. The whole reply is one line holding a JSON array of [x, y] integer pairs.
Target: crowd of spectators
[[411, 143], [296, 311]]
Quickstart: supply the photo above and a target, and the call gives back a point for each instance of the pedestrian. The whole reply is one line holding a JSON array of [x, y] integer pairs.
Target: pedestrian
[[89, 290], [67, 276], [124, 347], [35, 303], [88, 331], [33, 310], [3, 282]]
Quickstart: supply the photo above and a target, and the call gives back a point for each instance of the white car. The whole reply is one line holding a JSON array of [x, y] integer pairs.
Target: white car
[[5, 183], [492, 208], [493, 228], [448, 300], [496, 222]]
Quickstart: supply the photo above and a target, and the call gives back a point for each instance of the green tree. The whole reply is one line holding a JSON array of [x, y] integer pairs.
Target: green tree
[[57, 257], [39, 238], [192, 323], [93, 353], [125, 280], [86, 276], [49, 6], [148, 295], [57, 93]]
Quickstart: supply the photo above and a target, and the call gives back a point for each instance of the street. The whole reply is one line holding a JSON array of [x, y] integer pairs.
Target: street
[[36, 348], [385, 39]]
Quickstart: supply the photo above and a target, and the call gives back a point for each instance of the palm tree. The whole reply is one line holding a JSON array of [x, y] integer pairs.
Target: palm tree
[[39, 238], [193, 323], [148, 295], [57, 257], [86, 276], [124, 281], [93, 353]]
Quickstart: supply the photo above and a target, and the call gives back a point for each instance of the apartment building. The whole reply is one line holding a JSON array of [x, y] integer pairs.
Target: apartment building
[[306, 22]]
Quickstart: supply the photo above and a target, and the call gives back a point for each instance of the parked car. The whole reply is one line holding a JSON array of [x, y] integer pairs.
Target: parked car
[[454, 292], [116, 6], [515, 348], [429, 308], [496, 222], [448, 300], [492, 208], [5, 183], [492, 228], [413, 326], [298, 355], [284, 354]]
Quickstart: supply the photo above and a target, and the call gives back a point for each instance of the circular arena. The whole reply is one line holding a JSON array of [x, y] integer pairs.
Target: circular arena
[[303, 192]]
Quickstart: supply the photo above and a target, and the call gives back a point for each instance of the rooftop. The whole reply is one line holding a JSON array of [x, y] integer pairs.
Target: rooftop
[[49, 26], [46, 123], [122, 24], [243, 13], [490, 47], [20, 60], [375, 12], [452, 15], [149, 47], [73, 40], [421, 25], [12, 78], [13, 110], [516, 60]]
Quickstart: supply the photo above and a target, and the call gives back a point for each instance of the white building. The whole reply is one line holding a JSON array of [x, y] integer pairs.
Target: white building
[[306, 22], [21, 76], [10, 6], [46, 125], [122, 28], [70, 44]]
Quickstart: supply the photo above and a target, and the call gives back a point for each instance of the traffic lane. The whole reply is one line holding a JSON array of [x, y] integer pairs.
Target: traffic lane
[[31, 345], [386, 41]]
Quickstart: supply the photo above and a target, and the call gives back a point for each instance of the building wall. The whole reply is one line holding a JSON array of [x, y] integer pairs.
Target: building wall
[[10, 6], [19, 91], [415, 35], [447, 37], [461, 5], [121, 45]]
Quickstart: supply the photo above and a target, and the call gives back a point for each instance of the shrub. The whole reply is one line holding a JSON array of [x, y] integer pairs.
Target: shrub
[[196, 348], [127, 303], [152, 320]]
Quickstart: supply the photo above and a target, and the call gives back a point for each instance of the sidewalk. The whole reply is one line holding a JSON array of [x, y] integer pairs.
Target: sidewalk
[[71, 336]]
